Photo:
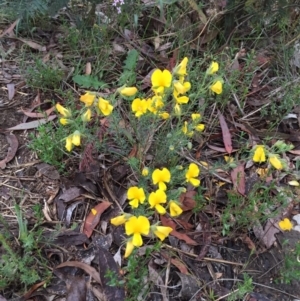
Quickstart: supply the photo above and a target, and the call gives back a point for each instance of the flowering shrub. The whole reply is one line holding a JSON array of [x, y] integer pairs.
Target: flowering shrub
[[158, 189]]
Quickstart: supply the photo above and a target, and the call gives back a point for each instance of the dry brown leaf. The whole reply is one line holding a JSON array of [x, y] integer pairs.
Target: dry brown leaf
[[88, 269], [10, 29], [238, 179], [225, 133], [31, 125], [39, 115], [88, 68], [11, 91], [13, 147], [93, 218], [33, 45]]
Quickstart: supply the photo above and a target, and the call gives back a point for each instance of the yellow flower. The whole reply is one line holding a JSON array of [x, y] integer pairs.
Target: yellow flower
[[137, 226], [275, 162], [86, 116], [145, 171], [259, 154], [136, 195], [213, 68], [120, 220], [182, 88], [73, 139], [185, 130], [62, 110], [139, 107], [76, 138], [69, 144], [181, 68], [64, 121], [129, 248], [88, 98], [293, 183], [228, 159], [156, 198], [285, 225], [161, 80], [128, 91], [196, 116], [177, 109], [161, 232], [200, 127], [180, 99], [175, 210], [105, 107], [161, 177], [164, 115], [217, 87], [155, 103], [192, 174]]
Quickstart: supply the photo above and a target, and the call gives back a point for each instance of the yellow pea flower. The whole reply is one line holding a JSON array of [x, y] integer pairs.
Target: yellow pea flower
[[161, 232], [275, 162], [213, 68], [69, 144], [64, 121], [161, 80], [156, 199], [76, 138], [137, 226], [177, 109], [217, 87], [136, 195], [154, 104], [181, 68], [195, 116], [182, 88], [88, 99], [161, 177], [164, 115], [129, 248], [128, 91], [200, 127], [259, 154], [175, 210], [105, 107], [145, 171], [192, 173], [86, 116], [120, 220], [139, 107], [285, 225], [180, 99], [62, 110], [185, 130]]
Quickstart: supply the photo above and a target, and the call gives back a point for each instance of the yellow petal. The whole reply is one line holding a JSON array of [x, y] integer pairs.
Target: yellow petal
[[62, 110], [162, 232], [161, 176], [64, 121], [196, 116], [161, 79], [294, 183], [181, 68], [139, 106], [69, 144], [137, 240], [213, 68], [177, 109], [160, 209], [157, 197], [259, 154], [164, 115], [137, 195], [76, 138], [86, 116], [194, 182], [145, 171], [175, 210], [105, 107], [118, 220], [275, 162], [217, 87], [285, 225], [128, 91], [200, 127], [137, 225], [88, 99], [129, 248]]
